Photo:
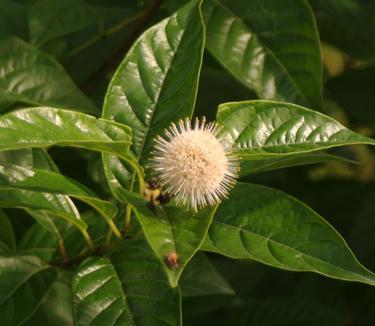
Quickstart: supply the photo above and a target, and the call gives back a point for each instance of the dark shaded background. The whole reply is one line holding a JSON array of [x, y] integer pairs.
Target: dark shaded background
[[343, 194]]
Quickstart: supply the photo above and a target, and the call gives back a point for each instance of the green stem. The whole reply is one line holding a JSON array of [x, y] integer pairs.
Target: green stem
[[112, 226], [88, 240], [102, 33], [85, 45], [108, 238], [128, 217], [141, 183], [114, 229], [122, 24], [63, 252], [138, 172]]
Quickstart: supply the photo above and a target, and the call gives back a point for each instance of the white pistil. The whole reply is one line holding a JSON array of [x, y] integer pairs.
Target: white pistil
[[193, 165]]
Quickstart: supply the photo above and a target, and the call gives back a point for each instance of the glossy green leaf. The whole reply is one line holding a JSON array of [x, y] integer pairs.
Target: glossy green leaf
[[54, 214], [171, 230], [49, 191], [267, 129], [57, 303], [29, 158], [269, 164], [41, 160], [36, 180], [22, 157], [38, 204], [37, 240], [44, 127], [201, 278], [129, 288], [7, 238], [272, 47], [24, 280], [276, 229], [43, 206], [98, 295], [155, 84], [32, 77]]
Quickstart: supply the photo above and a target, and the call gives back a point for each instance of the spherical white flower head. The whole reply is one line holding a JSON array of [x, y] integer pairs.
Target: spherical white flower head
[[193, 165]]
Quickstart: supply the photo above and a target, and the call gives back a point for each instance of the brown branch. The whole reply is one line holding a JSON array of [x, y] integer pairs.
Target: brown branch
[[114, 60], [68, 262]]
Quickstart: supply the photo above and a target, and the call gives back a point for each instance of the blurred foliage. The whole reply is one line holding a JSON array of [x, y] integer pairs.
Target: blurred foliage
[[59, 53]]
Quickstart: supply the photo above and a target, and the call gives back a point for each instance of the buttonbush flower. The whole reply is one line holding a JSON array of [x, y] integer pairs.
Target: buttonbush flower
[[193, 165]]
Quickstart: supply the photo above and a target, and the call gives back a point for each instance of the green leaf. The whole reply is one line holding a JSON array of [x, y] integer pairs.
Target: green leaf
[[155, 84], [57, 303], [349, 25], [38, 241], [41, 160], [49, 19], [276, 229], [22, 157], [29, 158], [201, 278], [95, 304], [7, 238], [13, 19], [171, 230], [97, 228], [24, 280], [36, 180], [44, 127], [129, 288], [363, 226], [55, 308], [289, 311], [269, 164], [41, 236], [268, 129], [40, 127], [32, 77], [40, 206], [39, 317], [270, 46]]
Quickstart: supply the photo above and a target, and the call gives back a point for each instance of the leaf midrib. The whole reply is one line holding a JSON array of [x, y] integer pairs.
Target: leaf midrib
[[367, 280], [331, 144], [146, 134], [42, 268], [121, 286]]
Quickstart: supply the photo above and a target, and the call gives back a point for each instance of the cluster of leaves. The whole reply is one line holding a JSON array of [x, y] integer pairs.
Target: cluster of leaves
[[69, 255]]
